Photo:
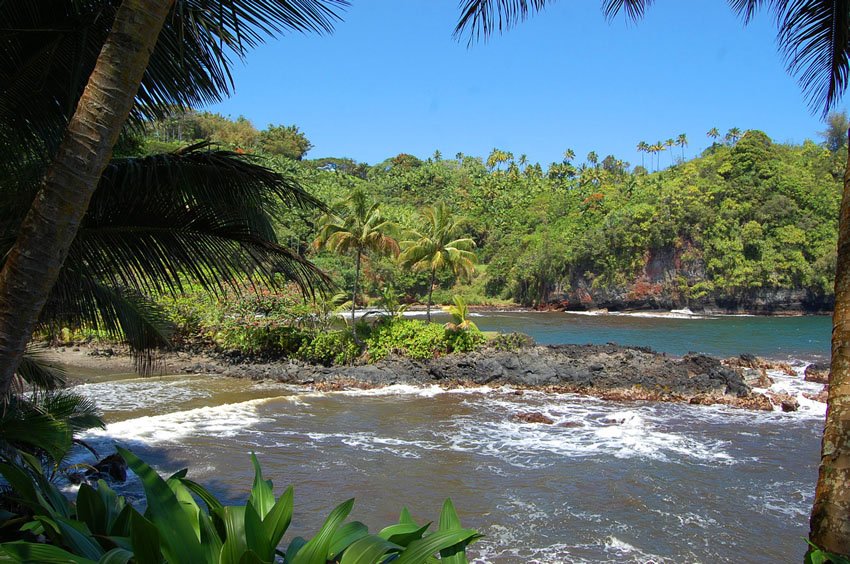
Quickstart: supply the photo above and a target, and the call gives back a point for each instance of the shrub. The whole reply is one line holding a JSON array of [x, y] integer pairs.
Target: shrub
[[103, 527], [333, 347], [410, 337], [464, 340], [511, 341]]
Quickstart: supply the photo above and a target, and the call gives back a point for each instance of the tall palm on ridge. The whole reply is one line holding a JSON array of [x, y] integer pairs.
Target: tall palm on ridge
[[439, 246], [74, 73], [356, 226], [814, 37]]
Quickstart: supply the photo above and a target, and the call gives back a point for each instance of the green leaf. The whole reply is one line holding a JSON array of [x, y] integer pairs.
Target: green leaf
[[145, 539], [179, 541], [344, 536], [403, 533], [116, 556], [208, 498], [316, 550], [278, 519], [255, 534], [294, 548], [187, 503], [368, 550], [21, 484], [121, 525], [421, 549], [32, 553], [262, 493], [114, 505], [405, 518], [77, 537], [91, 510], [250, 557], [235, 544], [449, 521]]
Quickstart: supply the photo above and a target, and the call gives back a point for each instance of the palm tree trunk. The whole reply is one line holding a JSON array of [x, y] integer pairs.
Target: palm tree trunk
[[33, 264], [830, 526], [354, 297], [431, 291]]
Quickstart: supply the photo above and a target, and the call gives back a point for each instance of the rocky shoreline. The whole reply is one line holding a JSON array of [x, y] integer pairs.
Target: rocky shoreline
[[609, 372]]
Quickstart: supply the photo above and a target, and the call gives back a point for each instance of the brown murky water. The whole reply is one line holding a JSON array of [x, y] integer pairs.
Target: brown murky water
[[613, 482]]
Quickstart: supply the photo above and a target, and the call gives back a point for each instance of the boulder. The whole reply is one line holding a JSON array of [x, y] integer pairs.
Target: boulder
[[817, 372], [112, 468], [820, 396], [534, 417], [785, 401]]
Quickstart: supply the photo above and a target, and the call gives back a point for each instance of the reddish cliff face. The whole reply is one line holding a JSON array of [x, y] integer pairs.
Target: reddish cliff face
[[674, 278]]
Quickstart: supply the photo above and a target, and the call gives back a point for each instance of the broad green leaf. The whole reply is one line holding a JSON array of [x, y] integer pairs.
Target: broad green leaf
[[403, 533], [250, 557], [145, 539], [405, 517], [113, 503], [255, 534], [77, 537], [33, 553], [179, 541], [294, 548], [179, 475], [235, 545], [208, 498], [278, 519], [316, 550], [187, 503], [449, 521], [121, 525], [262, 493], [368, 550], [421, 549], [91, 510], [22, 485], [116, 556], [344, 536]]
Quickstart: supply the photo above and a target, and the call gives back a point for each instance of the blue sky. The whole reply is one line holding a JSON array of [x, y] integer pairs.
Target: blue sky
[[391, 79]]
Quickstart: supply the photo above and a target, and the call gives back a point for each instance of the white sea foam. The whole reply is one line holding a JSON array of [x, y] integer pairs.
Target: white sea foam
[[672, 314], [796, 386], [580, 429], [217, 421], [140, 393]]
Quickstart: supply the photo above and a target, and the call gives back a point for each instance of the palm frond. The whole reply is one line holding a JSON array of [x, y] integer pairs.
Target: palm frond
[[35, 371], [814, 36], [635, 9], [49, 48], [481, 18]]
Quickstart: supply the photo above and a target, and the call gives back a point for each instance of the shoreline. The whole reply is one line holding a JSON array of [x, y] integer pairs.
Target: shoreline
[[608, 372]]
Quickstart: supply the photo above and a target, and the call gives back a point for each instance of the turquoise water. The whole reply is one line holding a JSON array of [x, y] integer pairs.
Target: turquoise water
[[781, 338]]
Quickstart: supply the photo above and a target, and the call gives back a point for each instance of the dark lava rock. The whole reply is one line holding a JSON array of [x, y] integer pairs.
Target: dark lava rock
[[112, 467], [534, 417], [818, 372]]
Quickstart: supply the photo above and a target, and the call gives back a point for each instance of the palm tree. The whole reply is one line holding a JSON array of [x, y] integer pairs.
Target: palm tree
[[733, 135], [76, 105], [669, 145], [569, 155], [682, 141], [814, 36], [439, 246], [659, 148], [356, 227], [642, 147], [714, 133]]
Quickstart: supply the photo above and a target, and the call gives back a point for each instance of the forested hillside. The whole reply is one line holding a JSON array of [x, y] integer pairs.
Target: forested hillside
[[748, 224]]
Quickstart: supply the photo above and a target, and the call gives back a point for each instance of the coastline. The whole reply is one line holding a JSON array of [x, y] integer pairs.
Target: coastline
[[609, 372]]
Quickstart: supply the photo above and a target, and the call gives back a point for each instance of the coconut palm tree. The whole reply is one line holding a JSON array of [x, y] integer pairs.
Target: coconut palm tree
[[669, 145], [74, 72], [439, 246], [733, 135], [682, 141], [357, 227], [814, 36], [642, 147], [714, 133]]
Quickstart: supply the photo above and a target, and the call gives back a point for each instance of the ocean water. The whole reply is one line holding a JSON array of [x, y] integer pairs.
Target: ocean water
[[607, 482]]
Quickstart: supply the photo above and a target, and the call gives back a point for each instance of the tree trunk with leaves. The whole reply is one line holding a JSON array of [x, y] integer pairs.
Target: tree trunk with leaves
[[830, 520], [431, 291], [32, 266]]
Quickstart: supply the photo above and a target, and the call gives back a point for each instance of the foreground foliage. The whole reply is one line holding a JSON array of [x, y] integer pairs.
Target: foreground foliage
[[101, 527]]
